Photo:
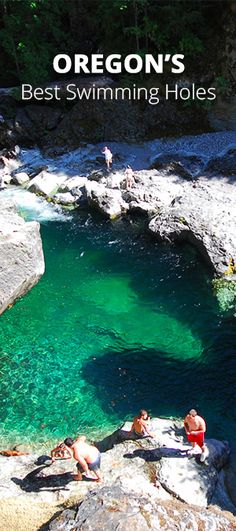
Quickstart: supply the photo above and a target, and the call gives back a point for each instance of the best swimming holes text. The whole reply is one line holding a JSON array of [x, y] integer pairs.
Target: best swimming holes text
[[71, 92]]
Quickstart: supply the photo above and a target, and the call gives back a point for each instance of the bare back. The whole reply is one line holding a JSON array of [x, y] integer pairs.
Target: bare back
[[85, 450]]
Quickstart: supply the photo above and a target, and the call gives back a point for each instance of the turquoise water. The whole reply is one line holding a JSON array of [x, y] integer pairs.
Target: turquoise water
[[118, 322]]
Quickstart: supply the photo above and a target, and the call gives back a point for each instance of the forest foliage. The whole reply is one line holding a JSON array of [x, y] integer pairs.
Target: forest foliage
[[32, 32]]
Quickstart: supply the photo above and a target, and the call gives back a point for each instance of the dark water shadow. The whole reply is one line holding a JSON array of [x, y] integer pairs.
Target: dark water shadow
[[129, 380]]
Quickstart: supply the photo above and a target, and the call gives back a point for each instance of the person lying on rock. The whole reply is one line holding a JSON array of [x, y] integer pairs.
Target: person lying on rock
[[87, 455], [195, 428], [12, 453], [140, 425]]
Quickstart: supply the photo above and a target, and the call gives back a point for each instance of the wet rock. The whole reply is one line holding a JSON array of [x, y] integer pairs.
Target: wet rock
[[65, 199], [22, 261]]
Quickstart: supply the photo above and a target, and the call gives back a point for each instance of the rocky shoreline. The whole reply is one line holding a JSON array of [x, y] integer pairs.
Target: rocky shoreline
[[181, 196], [150, 482]]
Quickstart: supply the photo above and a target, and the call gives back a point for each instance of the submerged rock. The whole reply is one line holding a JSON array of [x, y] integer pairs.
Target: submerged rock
[[21, 253]]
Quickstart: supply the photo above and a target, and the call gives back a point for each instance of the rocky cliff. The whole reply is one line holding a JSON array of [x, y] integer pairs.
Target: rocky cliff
[[21, 255]]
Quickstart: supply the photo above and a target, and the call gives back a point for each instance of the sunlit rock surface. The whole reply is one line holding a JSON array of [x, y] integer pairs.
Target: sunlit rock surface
[[21, 255]]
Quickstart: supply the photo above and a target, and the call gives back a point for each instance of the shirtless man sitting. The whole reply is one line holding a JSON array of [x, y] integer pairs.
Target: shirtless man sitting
[[140, 425], [87, 455], [195, 428]]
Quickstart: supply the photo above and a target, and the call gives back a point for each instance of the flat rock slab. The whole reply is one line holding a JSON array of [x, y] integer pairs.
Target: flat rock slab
[[157, 468]]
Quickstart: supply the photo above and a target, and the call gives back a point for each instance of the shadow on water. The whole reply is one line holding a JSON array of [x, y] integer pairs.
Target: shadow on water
[[129, 380]]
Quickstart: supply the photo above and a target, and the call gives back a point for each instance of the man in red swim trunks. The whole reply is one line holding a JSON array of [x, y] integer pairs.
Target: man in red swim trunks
[[195, 428]]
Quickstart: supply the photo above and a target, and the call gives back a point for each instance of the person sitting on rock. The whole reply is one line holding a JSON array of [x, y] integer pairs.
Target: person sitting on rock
[[140, 425], [87, 455], [108, 157], [129, 178], [195, 428]]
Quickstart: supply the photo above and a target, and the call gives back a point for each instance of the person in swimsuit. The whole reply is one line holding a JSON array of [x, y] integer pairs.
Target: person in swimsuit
[[108, 157], [87, 455], [195, 428], [129, 178], [140, 425]]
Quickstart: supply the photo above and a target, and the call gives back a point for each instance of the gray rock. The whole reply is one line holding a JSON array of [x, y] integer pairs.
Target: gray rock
[[224, 164], [108, 201], [178, 163], [203, 215], [73, 183], [46, 183], [65, 199], [22, 261], [114, 508], [20, 178]]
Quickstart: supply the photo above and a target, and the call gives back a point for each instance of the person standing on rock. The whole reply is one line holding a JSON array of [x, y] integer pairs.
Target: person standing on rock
[[129, 178], [108, 157], [195, 427], [87, 455]]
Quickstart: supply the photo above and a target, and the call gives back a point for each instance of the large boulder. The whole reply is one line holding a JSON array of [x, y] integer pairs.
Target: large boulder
[[21, 253], [108, 201], [185, 166], [116, 508], [20, 178], [203, 215], [73, 183], [46, 183]]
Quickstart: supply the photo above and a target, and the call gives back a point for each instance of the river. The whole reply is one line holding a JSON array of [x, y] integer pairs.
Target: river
[[117, 323]]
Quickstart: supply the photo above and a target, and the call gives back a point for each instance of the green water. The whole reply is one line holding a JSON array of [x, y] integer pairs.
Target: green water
[[118, 322]]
